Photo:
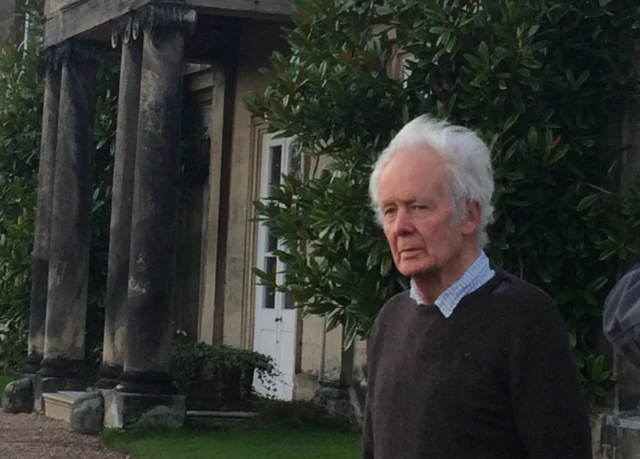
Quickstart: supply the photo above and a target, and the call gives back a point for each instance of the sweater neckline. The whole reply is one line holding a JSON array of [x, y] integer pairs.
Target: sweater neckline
[[487, 288]]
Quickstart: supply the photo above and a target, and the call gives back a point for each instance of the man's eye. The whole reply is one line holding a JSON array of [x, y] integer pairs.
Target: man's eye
[[388, 211], [420, 207]]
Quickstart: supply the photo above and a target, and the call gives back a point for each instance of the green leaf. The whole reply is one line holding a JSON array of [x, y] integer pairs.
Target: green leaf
[[598, 366], [385, 267], [483, 51], [532, 138], [587, 202]]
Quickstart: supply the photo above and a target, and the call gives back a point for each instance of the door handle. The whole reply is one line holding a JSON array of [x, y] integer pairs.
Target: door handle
[[278, 319]]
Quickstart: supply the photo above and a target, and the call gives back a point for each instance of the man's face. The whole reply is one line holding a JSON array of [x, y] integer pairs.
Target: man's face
[[417, 211]]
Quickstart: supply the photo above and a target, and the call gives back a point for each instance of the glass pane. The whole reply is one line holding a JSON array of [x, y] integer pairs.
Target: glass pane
[[276, 164], [206, 111], [272, 242], [270, 296], [289, 302]]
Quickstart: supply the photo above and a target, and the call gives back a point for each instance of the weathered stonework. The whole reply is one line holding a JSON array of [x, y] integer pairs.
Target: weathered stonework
[[67, 379], [337, 401], [121, 208], [87, 414], [18, 396], [124, 411], [71, 214], [152, 18], [42, 237], [155, 197]]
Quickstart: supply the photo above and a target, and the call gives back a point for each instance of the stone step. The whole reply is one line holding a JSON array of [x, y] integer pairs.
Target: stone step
[[217, 418], [57, 405]]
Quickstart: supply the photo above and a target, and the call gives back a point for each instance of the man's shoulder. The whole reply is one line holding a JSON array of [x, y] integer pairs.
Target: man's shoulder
[[390, 309], [522, 296], [397, 301]]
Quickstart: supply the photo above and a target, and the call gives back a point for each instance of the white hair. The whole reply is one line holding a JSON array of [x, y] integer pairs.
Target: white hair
[[467, 160]]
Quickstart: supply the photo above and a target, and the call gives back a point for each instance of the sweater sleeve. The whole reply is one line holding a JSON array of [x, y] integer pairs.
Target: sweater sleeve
[[367, 434], [367, 428], [546, 395]]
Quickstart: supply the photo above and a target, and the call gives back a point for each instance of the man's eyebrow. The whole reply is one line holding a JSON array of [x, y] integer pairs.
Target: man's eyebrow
[[420, 200]]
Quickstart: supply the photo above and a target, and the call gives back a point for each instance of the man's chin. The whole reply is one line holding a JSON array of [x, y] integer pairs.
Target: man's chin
[[417, 271]]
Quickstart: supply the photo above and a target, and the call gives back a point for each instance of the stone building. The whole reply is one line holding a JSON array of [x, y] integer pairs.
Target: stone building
[[170, 267]]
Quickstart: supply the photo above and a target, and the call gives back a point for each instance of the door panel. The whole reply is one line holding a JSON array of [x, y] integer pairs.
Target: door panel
[[275, 317]]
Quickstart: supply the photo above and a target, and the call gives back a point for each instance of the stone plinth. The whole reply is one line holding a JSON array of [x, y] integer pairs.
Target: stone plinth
[[125, 411], [46, 385]]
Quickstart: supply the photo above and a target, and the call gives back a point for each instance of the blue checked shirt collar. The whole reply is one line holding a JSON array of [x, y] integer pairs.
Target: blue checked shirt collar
[[473, 278]]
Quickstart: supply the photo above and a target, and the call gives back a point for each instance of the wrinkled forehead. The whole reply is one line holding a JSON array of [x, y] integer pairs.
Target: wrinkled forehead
[[415, 167]]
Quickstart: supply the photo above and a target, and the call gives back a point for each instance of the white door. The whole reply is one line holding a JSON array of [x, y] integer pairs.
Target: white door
[[275, 316]]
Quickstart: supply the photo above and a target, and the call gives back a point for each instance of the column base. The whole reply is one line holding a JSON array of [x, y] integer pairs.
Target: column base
[[63, 368], [146, 382], [57, 375], [47, 385], [31, 364], [108, 377], [125, 411]]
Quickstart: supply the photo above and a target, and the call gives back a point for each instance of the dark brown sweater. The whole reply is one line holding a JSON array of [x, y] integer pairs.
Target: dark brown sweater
[[496, 380]]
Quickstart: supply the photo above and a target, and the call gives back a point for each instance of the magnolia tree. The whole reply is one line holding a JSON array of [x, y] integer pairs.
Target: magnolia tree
[[539, 81]]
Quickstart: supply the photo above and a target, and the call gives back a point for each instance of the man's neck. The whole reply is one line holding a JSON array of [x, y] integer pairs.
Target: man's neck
[[432, 285]]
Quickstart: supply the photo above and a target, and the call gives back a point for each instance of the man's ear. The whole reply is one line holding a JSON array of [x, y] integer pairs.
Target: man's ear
[[471, 218]]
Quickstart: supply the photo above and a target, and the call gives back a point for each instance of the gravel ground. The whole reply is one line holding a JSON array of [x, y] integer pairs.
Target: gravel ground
[[29, 436]]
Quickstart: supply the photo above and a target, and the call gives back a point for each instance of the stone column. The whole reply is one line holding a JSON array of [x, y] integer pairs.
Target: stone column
[[121, 204], [42, 236], [155, 200], [63, 364]]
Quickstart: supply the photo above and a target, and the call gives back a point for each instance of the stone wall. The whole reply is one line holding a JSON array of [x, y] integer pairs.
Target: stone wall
[[10, 16], [256, 43], [51, 6]]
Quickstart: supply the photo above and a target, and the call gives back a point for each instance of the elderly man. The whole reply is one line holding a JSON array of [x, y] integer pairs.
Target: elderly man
[[472, 362]]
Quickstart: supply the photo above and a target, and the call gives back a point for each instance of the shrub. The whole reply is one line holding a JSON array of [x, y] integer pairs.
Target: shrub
[[218, 375], [537, 80]]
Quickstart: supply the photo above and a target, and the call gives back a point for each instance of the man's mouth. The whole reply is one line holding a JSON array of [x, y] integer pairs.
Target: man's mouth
[[410, 250]]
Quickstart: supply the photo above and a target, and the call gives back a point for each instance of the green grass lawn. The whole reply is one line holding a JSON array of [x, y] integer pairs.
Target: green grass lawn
[[4, 380], [272, 443]]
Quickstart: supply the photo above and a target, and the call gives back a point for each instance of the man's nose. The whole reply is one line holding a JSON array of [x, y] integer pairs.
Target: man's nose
[[404, 224]]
